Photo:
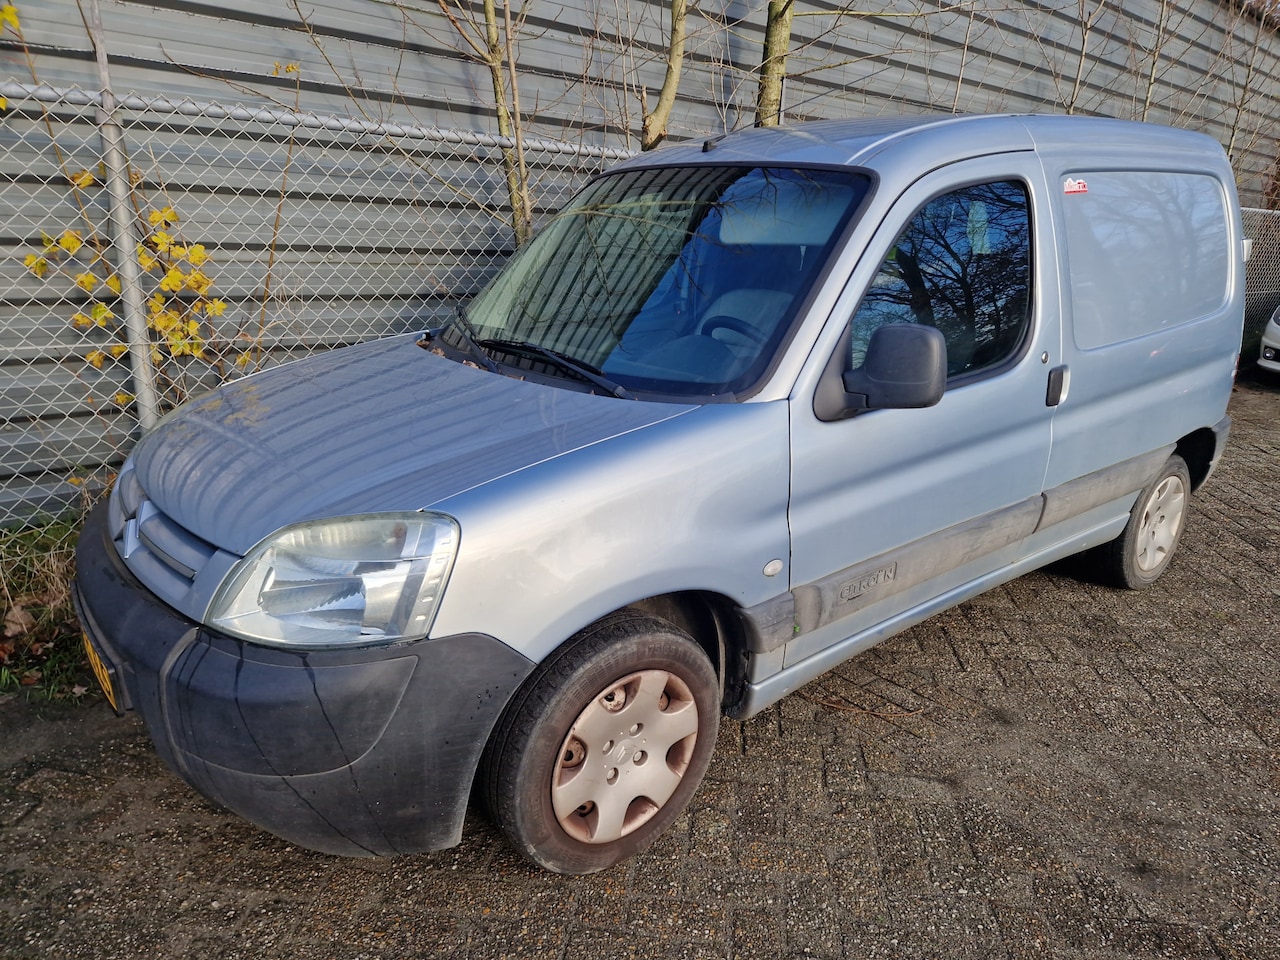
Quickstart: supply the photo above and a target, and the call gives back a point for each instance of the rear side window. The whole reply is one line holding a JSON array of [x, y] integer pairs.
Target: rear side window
[[963, 265], [1146, 250]]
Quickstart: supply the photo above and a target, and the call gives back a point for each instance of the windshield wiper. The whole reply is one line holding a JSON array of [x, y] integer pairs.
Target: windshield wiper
[[576, 367], [467, 334]]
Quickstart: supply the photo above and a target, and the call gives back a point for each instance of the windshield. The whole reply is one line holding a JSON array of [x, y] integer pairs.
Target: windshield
[[671, 281]]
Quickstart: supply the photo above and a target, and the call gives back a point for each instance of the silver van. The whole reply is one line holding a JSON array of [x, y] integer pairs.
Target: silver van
[[740, 411]]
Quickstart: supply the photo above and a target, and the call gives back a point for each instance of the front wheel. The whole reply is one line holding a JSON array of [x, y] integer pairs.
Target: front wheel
[[1142, 552], [605, 745]]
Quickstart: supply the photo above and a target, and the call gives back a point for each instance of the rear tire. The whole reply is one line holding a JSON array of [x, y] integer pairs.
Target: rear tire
[[604, 746], [1138, 557]]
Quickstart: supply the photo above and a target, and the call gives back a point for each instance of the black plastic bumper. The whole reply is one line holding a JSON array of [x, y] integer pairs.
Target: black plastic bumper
[[356, 752]]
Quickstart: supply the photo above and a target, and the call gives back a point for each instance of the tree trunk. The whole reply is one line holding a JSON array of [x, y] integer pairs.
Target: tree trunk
[[654, 128], [773, 65], [508, 126]]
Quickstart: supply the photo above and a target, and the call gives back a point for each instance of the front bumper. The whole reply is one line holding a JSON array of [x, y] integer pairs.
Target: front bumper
[[1269, 352], [356, 752]]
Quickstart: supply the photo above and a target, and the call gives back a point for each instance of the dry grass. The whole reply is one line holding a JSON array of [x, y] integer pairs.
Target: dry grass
[[40, 651]]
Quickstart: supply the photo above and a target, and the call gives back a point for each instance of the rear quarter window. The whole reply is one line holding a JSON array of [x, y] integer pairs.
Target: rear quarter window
[[1146, 251]]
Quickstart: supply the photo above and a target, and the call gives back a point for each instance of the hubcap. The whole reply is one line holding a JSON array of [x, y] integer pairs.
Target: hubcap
[[1161, 523], [624, 756]]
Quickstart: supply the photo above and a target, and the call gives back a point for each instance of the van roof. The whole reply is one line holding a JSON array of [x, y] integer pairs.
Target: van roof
[[941, 138]]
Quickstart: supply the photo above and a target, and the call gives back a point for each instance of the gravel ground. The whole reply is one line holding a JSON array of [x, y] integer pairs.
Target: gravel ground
[[1053, 770]]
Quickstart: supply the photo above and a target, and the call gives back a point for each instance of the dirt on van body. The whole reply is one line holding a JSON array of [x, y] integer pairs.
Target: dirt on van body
[[1052, 770]]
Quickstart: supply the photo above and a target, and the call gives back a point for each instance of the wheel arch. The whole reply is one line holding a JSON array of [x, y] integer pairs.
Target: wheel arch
[[1197, 450], [713, 621]]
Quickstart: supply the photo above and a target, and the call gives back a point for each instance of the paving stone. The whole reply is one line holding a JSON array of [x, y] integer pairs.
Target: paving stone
[[1054, 770]]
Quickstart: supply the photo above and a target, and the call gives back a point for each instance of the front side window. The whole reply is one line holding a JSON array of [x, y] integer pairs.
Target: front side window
[[963, 265], [671, 281]]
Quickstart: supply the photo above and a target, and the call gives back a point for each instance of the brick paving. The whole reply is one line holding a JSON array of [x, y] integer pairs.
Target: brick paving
[[1052, 770]]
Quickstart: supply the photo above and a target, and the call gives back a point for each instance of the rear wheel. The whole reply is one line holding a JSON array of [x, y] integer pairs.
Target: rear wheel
[[1142, 552], [604, 747]]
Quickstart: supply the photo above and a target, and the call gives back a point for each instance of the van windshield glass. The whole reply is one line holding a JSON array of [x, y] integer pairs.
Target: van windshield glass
[[671, 281]]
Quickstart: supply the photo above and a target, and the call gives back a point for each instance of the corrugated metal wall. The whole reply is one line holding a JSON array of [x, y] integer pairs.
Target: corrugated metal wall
[[581, 62], [343, 200]]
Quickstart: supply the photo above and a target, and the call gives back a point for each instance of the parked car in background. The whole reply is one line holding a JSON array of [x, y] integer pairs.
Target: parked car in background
[[1269, 353], [741, 410]]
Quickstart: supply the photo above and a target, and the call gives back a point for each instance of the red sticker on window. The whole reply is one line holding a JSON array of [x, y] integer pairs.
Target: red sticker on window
[[1071, 185]]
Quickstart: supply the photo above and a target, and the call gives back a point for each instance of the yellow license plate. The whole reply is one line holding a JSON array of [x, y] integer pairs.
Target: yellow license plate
[[100, 671]]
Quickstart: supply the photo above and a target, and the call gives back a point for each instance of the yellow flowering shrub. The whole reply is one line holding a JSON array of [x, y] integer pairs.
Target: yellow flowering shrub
[[177, 303], [9, 21], [177, 279]]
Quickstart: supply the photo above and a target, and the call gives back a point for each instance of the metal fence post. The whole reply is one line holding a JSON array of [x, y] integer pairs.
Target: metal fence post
[[123, 235]]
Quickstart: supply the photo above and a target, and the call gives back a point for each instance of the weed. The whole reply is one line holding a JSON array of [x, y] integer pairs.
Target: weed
[[40, 649]]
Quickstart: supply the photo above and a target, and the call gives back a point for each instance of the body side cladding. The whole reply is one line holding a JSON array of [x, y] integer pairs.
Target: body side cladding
[[778, 620], [1082, 494], [758, 695]]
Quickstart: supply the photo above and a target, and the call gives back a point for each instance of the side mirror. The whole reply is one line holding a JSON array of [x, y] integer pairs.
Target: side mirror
[[906, 366]]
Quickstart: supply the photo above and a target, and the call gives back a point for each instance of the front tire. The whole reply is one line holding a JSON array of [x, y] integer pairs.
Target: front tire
[[604, 746], [1138, 557]]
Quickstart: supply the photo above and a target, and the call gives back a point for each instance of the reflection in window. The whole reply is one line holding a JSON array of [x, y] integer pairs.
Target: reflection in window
[[963, 265], [1148, 251], [674, 280]]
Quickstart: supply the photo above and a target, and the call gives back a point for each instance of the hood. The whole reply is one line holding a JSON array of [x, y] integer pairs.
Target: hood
[[382, 426]]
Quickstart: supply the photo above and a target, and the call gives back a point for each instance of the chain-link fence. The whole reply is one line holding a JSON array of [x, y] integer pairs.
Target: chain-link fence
[[1262, 277], [214, 240]]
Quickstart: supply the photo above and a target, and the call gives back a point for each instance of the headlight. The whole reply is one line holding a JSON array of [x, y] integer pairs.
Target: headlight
[[344, 582]]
